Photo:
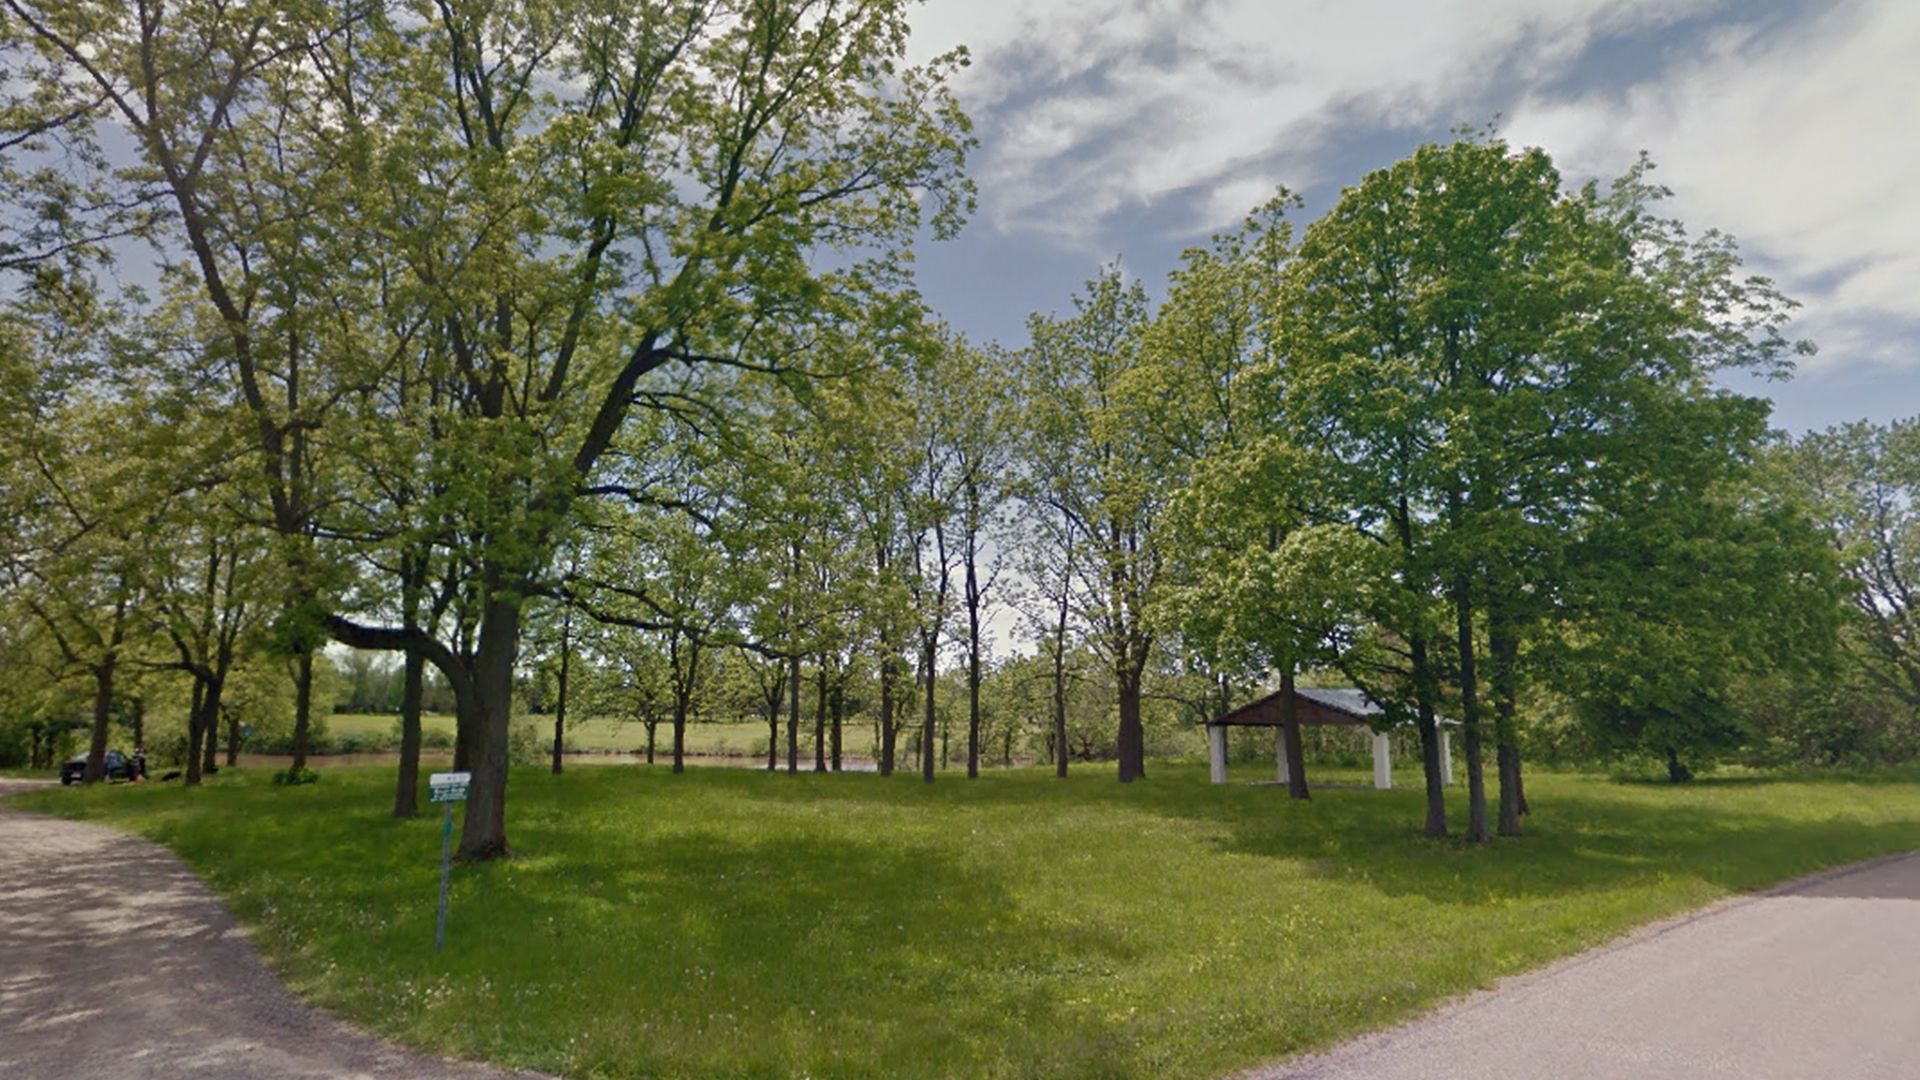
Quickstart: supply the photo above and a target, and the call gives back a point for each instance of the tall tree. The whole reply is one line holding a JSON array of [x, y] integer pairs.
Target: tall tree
[[1477, 353], [1088, 431], [974, 397], [583, 197], [1863, 481]]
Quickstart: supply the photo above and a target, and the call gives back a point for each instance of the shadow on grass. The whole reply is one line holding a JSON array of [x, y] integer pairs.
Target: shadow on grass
[[1580, 840], [729, 922]]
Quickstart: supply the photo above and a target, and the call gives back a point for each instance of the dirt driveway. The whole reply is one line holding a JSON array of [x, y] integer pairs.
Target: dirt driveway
[[115, 961]]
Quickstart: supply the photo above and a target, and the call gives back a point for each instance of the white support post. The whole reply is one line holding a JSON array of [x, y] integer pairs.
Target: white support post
[[1280, 752], [1446, 757], [1382, 761], [1217, 752]]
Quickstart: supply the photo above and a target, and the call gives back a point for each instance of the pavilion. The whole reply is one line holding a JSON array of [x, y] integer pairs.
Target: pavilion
[[1345, 707]]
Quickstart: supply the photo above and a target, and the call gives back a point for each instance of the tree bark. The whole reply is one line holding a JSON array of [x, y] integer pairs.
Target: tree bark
[[681, 705], [1060, 699], [973, 707], [210, 723], [1677, 771], [929, 656], [1132, 740], [483, 834], [406, 788], [973, 649], [560, 706], [820, 720], [1478, 829], [1290, 734], [102, 717], [793, 715], [1423, 683], [302, 705], [839, 720], [888, 731], [773, 736], [1504, 647], [210, 750], [196, 730]]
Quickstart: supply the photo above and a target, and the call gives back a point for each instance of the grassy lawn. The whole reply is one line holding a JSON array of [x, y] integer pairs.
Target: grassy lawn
[[730, 923]]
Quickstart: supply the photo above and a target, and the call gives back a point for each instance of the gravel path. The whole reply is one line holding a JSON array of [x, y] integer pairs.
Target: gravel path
[[115, 961], [1816, 979]]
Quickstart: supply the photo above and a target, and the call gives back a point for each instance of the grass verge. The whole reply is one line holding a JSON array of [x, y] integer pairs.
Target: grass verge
[[730, 923]]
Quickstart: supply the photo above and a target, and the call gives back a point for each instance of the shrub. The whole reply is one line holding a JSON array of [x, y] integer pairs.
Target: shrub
[[292, 777]]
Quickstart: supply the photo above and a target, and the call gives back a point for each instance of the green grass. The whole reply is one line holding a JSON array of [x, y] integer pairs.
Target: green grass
[[728, 923], [604, 734]]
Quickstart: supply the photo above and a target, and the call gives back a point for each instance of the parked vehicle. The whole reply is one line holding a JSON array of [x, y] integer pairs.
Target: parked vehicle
[[119, 767]]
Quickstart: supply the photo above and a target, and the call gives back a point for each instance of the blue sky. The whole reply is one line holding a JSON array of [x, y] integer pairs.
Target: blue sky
[[1132, 129]]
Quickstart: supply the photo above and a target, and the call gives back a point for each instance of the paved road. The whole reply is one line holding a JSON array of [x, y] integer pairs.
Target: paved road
[[1820, 979], [115, 961]]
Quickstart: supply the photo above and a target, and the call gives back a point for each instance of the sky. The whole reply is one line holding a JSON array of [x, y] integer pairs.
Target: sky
[[1133, 129]]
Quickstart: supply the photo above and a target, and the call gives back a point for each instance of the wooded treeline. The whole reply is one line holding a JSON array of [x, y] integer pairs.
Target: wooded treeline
[[583, 340]]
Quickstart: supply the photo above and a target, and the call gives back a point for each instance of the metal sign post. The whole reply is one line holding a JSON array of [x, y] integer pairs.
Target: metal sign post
[[448, 788]]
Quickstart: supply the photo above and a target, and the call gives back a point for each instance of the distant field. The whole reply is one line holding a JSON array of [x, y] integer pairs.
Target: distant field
[[601, 733], [728, 923]]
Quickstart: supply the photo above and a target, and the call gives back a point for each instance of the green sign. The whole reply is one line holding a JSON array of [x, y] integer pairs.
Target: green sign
[[447, 786]]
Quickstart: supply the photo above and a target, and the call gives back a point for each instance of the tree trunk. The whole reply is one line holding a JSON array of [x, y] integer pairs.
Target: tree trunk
[[1677, 771], [650, 726], [560, 707], [1290, 735], [820, 720], [1423, 683], [210, 725], [1505, 647], [973, 698], [233, 738], [102, 717], [839, 721], [484, 833], [1060, 700], [1132, 740], [793, 715], [302, 706], [682, 704], [888, 732], [1478, 829], [406, 788], [973, 652], [929, 655], [196, 730], [466, 731]]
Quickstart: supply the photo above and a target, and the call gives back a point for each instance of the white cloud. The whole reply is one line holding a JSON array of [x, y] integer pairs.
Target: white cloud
[[1799, 143], [1091, 108]]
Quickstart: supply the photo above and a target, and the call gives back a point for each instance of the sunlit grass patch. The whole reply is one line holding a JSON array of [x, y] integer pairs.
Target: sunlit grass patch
[[731, 923]]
